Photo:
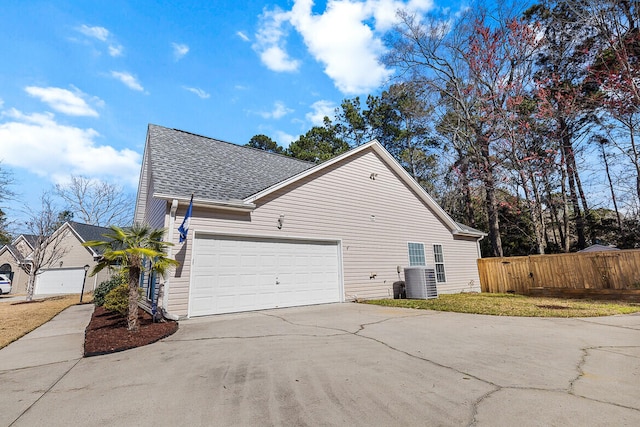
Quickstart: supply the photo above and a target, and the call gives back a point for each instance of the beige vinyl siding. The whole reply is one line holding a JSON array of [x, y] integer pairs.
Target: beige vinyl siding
[[143, 189], [149, 210], [338, 203], [20, 277], [156, 212], [23, 247], [77, 256]]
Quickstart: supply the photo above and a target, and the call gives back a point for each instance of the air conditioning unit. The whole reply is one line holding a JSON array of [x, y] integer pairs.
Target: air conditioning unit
[[420, 282]]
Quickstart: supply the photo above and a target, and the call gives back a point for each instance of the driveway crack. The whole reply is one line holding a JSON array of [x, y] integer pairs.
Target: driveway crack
[[64, 374], [252, 337], [476, 404]]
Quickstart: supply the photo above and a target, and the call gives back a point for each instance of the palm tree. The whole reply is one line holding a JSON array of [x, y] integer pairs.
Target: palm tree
[[127, 248]]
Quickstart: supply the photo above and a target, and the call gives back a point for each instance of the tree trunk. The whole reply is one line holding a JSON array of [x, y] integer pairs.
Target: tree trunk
[[132, 312], [613, 194], [585, 207], [567, 149], [490, 191], [533, 211], [555, 222], [544, 239], [565, 205], [466, 191], [635, 158], [31, 284]]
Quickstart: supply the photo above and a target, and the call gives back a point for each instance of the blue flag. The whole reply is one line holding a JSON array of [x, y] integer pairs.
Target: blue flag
[[184, 228]]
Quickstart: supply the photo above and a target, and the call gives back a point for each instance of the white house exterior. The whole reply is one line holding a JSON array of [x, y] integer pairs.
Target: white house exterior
[[269, 231]]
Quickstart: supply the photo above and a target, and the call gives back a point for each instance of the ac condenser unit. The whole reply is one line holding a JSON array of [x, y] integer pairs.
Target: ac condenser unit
[[420, 282]]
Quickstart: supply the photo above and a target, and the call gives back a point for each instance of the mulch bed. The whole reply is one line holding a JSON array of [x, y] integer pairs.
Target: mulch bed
[[107, 332]]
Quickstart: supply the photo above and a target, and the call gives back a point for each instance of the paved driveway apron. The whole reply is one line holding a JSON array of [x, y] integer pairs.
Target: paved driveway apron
[[348, 364]]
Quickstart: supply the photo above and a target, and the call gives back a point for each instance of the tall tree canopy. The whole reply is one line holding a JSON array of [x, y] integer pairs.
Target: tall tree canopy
[[263, 142], [96, 202]]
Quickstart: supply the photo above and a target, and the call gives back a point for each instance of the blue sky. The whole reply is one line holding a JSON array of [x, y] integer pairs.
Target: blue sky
[[80, 80]]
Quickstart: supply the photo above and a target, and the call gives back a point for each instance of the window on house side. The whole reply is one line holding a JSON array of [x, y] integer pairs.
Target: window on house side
[[438, 258], [416, 254]]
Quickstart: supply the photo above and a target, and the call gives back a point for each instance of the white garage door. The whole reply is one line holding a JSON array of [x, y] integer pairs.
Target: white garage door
[[59, 281], [232, 274]]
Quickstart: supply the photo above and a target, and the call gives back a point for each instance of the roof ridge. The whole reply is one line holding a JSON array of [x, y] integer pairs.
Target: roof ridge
[[234, 144]]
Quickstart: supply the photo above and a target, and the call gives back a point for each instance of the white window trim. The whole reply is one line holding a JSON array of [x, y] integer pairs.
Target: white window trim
[[424, 253], [444, 262]]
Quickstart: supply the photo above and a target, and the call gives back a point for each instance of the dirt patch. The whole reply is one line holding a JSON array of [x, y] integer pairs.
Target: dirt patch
[[552, 307], [107, 332]]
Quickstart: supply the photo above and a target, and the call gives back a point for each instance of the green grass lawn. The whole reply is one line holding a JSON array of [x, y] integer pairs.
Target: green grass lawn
[[514, 305]]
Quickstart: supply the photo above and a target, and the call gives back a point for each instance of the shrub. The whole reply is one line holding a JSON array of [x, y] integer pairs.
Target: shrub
[[118, 299], [105, 287]]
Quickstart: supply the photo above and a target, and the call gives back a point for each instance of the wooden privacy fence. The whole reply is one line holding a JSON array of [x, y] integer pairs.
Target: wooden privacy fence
[[588, 270]]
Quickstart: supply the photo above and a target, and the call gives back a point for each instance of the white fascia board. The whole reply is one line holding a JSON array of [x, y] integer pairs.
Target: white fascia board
[[479, 235], [7, 248], [21, 237], [234, 205], [143, 171]]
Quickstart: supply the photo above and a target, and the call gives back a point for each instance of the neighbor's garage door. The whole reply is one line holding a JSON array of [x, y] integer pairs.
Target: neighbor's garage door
[[232, 274], [60, 281]]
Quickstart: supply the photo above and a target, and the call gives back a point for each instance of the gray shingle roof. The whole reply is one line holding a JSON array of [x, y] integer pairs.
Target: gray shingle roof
[[90, 232], [31, 239], [14, 251], [469, 229], [182, 163]]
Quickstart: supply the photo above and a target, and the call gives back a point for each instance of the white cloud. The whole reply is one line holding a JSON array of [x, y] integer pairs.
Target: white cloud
[[38, 143], [115, 50], [242, 35], [271, 42], [284, 139], [130, 81], [105, 36], [320, 110], [63, 100], [279, 111], [179, 50], [99, 33], [201, 93], [346, 38], [276, 59]]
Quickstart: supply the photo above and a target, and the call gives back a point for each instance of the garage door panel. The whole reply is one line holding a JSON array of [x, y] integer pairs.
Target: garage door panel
[[59, 281], [241, 274]]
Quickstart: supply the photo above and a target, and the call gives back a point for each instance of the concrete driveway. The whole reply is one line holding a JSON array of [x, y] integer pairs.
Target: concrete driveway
[[346, 364]]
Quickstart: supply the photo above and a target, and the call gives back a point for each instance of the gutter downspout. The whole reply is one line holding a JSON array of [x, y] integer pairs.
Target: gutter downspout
[[478, 246], [165, 286]]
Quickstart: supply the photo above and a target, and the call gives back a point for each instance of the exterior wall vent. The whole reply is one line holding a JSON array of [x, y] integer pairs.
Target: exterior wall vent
[[420, 282]]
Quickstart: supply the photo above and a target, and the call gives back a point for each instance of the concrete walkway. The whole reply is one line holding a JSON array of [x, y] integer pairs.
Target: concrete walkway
[[30, 366], [336, 364]]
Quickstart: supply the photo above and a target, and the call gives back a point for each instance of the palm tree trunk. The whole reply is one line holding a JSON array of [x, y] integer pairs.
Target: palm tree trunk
[[132, 313]]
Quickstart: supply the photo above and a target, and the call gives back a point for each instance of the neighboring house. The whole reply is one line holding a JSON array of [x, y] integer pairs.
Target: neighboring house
[[271, 231], [65, 274], [599, 248], [12, 257]]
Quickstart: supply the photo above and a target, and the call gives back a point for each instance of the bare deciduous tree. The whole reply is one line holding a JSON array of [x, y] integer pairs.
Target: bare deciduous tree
[[6, 180], [96, 202], [49, 245]]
